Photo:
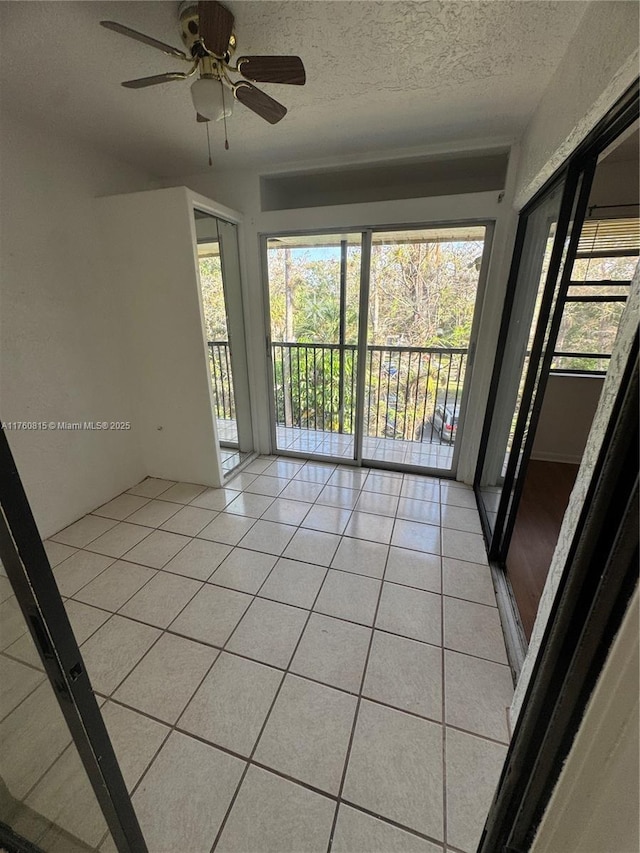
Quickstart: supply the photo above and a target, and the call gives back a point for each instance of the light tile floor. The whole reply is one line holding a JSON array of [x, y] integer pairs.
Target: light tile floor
[[309, 659]]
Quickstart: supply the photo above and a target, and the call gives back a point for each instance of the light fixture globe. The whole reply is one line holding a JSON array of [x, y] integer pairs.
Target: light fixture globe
[[207, 97]]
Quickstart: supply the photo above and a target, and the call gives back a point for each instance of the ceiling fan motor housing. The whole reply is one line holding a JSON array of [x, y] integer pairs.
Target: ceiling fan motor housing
[[190, 27]]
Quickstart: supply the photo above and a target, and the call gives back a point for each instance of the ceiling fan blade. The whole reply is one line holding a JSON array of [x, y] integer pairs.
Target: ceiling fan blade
[[266, 107], [215, 26], [134, 34], [273, 69], [143, 82]]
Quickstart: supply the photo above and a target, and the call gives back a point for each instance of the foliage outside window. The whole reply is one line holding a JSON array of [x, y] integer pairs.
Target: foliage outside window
[[422, 292]]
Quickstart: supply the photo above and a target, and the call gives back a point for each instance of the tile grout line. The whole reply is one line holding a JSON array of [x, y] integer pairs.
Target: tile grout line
[[78, 601], [299, 526], [120, 559], [278, 557], [302, 676], [163, 632], [271, 707], [358, 702], [444, 705], [30, 693], [276, 772], [109, 518], [23, 801]]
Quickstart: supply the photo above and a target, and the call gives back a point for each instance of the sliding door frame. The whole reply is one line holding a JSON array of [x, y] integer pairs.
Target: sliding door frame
[[367, 233], [578, 175], [29, 571], [503, 333], [600, 576], [581, 164], [489, 226], [264, 258], [363, 331], [230, 266], [573, 206]]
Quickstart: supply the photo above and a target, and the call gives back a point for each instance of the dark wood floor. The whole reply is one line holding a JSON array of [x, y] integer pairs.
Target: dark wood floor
[[544, 501]]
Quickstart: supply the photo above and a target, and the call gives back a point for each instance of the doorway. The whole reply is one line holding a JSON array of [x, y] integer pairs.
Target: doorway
[[605, 261], [219, 275], [576, 252], [371, 339]]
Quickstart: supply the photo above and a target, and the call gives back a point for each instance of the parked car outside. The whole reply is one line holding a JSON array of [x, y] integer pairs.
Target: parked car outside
[[444, 421]]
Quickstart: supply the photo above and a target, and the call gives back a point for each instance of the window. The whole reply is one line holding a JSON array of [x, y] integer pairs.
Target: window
[[604, 266]]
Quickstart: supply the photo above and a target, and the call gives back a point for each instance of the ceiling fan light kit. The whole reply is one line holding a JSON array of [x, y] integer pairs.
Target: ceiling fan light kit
[[209, 101], [207, 31]]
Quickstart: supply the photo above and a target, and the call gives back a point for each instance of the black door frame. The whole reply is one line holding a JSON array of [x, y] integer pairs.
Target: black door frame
[[29, 572], [578, 171], [572, 215], [597, 582], [600, 576]]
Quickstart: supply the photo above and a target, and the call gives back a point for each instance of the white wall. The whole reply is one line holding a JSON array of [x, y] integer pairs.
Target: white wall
[[61, 349], [568, 408], [594, 806], [150, 250], [601, 62], [616, 183]]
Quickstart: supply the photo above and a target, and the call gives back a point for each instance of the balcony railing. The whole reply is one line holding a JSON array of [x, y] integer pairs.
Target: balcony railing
[[315, 387], [221, 381], [405, 386]]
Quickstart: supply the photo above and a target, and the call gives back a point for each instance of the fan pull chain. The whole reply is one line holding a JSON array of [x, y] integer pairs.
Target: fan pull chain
[[224, 118], [209, 145]]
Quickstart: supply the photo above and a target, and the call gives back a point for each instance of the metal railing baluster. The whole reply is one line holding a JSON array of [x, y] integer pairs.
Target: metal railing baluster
[[435, 396], [300, 403]]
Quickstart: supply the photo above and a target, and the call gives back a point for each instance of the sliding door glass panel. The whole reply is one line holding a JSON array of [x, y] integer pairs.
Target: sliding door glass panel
[[216, 321], [538, 369], [232, 284], [314, 285], [539, 235], [422, 298]]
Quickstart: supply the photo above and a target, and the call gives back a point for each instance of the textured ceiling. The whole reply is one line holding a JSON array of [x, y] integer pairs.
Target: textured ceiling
[[381, 76]]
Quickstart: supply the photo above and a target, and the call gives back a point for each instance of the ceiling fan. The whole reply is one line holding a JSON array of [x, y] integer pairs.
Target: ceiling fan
[[207, 30]]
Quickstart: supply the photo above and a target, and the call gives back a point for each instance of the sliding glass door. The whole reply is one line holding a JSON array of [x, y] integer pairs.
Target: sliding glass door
[[544, 256], [423, 288], [535, 245], [314, 294], [371, 342], [219, 272]]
